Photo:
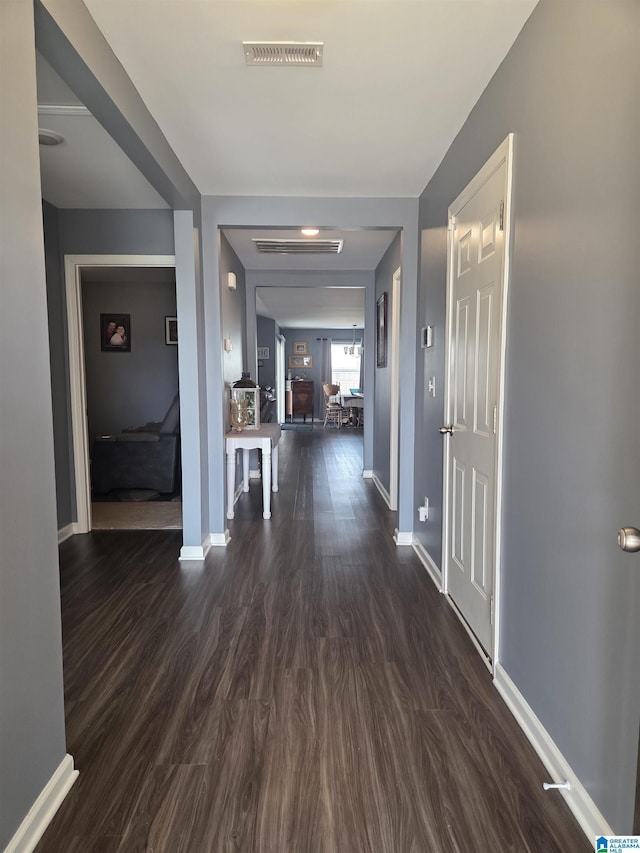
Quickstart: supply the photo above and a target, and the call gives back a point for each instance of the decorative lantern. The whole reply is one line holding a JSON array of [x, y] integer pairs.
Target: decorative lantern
[[245, 399], [239, 415]]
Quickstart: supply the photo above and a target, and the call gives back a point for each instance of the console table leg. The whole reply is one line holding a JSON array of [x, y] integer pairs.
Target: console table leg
[[266, 483], [231, 481], [274, 469], [245, 469]]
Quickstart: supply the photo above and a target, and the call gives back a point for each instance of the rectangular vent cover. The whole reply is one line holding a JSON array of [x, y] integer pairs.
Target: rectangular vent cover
[[299, 247], [283, 52]]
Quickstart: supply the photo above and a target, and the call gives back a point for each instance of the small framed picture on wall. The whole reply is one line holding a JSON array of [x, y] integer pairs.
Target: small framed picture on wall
[[171, 331], [115, 332]]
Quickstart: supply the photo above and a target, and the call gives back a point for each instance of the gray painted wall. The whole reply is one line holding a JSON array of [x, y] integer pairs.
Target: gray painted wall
[[382, 419], [129, 388], [569, 90], [32, 738], [116, 232], [233, 309], [266, 337], [233, 312], [65, 500], [194, 425]]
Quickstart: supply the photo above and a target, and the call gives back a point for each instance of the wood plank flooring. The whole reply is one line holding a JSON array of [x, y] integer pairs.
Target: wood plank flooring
[[306, 691]]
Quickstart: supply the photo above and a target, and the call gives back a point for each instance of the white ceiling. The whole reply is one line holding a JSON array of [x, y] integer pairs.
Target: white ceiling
[[312, 307], [398, 80]]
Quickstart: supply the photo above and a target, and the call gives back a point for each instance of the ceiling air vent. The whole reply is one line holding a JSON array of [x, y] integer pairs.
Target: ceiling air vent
[[283, 52], [298, 247]]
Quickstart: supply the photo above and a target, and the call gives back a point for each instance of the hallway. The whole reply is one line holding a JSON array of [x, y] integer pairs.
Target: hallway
[[307, 689]]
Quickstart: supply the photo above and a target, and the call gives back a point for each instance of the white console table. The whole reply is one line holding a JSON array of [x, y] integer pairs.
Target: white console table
[[266, 439]]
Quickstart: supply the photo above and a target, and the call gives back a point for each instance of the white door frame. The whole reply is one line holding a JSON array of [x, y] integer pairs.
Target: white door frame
[[503, 155], [280, 378], [73, 266], [394, 421]]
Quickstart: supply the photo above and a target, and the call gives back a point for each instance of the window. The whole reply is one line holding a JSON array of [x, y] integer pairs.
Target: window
[[345, 369]]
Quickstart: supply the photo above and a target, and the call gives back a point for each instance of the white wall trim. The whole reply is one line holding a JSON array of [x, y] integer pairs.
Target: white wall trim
[[195, 552], [67, 531], [427, 561], [382, 490], [219, 540], [254, 474], [42, 811], [367, 474], [582, 806], [394, 419], [402, 538]]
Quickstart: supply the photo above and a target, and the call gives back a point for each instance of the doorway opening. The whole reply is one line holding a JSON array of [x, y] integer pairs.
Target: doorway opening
[[121, 393]]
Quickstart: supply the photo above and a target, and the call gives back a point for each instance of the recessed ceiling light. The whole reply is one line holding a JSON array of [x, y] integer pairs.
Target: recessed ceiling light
[[310, 232], [48, 137]]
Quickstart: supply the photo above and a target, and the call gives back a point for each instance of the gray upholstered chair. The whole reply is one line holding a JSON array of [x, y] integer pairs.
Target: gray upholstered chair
[[145, 457]]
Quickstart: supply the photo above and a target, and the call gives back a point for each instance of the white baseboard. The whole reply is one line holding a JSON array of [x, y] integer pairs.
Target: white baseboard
[[67, 531], [220, 540], [195, 552], [254, 474], [401, 538], [42, 811], [367, 474], [385, 494], [427, 561], [583, 808]]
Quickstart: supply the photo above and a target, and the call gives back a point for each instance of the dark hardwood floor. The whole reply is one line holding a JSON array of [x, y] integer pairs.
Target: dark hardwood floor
[[307, 689]]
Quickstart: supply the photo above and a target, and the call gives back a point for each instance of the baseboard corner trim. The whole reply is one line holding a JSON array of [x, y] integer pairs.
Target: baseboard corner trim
[[427, 561], [385, 494], [402, 538], [220, 540], [585, 811], [367, 474], [67, 532], [194, 552], [43, 810]]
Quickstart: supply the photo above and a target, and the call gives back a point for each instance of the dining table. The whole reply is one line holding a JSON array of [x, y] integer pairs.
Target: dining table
[[353, 402]]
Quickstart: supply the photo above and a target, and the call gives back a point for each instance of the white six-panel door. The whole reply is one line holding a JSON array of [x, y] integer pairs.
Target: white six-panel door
[[474, 373]]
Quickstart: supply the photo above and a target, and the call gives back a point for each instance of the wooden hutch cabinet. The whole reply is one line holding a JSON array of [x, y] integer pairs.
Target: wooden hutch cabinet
[[299, 398]]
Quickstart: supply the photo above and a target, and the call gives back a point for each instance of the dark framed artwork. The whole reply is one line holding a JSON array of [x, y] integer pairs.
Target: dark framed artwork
[[381, 331], [171, 331], [115, 332]]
